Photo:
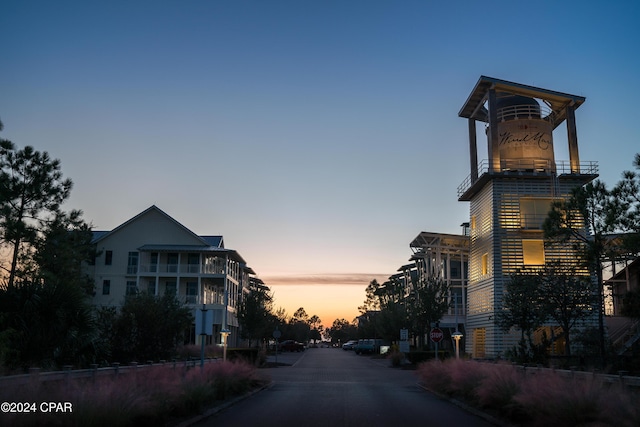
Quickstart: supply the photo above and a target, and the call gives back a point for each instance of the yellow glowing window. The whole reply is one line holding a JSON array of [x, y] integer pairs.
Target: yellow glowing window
[[473, 222], [533, 212], [485, 264], [533, 252]]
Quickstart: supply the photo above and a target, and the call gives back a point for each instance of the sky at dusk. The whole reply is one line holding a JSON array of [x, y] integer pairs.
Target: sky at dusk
[[318, 137]]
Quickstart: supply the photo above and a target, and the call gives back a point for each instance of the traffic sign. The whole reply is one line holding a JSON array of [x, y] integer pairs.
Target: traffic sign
[[436, 335]]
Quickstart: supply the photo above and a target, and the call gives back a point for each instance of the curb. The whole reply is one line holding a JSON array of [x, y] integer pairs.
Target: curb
[[470, 409], [222, 406]]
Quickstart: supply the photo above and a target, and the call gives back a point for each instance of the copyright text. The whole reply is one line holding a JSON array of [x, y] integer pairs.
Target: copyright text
[[31, 407]]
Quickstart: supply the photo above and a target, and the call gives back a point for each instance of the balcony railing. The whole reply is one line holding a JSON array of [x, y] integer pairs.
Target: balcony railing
[[181, 269], [562, 167]]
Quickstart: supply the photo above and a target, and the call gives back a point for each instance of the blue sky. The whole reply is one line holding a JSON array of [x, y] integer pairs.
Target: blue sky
[[319, 137]]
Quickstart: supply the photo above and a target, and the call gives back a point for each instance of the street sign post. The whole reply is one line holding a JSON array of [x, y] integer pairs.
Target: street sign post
[[204, 327], [436, 336]]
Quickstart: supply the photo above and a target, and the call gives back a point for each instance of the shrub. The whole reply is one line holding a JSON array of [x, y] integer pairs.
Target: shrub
[[396, 358], [498, 390], [249, 355], [148, 396], [435, 376], [549, 399], [467, 377], [535, 398]]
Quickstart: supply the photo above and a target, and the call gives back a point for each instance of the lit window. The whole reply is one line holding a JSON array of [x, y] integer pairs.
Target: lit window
[[533, 252], [533, 212], [485, 264], [473, 222]]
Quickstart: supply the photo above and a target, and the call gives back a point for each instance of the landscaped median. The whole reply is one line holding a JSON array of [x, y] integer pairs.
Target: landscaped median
[[533, 397], [158, 395]]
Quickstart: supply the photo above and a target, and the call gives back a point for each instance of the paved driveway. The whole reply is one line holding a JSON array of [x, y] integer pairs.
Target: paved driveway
[[333, 387]]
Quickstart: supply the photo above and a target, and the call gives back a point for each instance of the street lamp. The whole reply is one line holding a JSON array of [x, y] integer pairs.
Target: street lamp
[[457, 336], [225, 333]]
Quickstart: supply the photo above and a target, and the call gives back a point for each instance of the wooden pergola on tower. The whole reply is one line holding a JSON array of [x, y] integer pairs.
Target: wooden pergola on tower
[[488, 91]]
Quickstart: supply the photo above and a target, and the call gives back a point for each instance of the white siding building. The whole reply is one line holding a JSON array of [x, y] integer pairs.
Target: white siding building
[[154, 253], [511, 192]]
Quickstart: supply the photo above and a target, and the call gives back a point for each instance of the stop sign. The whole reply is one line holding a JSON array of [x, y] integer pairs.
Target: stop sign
[[436, 335]]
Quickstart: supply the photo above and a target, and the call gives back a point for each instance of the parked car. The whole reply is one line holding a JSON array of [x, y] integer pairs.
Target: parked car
[[291, 345], [369, 346], [349, 344]]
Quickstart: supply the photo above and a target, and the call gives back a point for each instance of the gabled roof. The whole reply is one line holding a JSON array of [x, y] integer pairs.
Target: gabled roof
[[99, 235], [213, 244], [215, 241]]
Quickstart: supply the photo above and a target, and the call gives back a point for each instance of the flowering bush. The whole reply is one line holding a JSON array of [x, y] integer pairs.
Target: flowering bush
[[542, 398], [146, 396]]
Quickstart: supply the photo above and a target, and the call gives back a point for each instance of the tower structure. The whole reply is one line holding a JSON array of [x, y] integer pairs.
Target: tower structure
[[510, 194]]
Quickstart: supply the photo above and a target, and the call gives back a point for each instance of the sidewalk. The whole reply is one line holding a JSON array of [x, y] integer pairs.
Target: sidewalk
[[284, 359]]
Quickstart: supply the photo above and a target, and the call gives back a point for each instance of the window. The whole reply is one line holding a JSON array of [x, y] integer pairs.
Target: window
[[154, 262], [473, 222], [108, 257], [132, 289], [172, 263], [132, 263], [106, 287], [170, 288], [485, 264], [533, 252], [192, 292], [193, 261], [455, 270], [533, 212], [151, 287]]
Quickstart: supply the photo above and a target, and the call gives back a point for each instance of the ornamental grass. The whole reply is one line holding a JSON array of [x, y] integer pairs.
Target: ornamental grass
[[158, 395], [536, 398]]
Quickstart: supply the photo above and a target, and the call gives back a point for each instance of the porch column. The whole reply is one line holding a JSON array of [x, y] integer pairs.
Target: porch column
[[473, 150], [572, 137], [494, 147]]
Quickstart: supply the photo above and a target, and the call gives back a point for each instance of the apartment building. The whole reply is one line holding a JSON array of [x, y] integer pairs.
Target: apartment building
[[446, 257], [154, 253]]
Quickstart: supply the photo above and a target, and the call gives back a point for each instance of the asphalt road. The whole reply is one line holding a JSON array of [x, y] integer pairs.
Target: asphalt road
[[332, 387]]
